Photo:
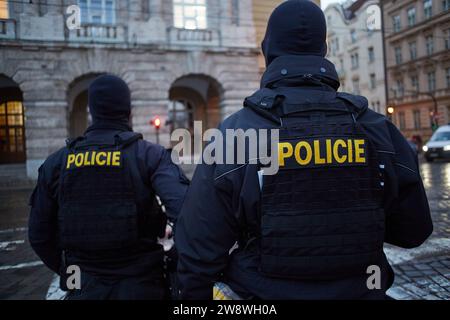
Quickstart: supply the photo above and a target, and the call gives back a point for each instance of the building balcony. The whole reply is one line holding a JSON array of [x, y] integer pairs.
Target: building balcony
[[7, 29], [205, 37], [98, 33]]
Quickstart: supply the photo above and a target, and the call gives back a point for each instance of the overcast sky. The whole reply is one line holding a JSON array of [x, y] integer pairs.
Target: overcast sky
[[325, 3]]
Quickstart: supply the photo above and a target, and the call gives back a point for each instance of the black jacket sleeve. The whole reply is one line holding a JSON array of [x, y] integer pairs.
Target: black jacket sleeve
[[42, 224], [409, 221], [206, 231], [165, 177]]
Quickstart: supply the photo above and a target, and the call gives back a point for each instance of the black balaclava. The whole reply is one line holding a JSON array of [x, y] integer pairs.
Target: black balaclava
[[295, 27], [109, 100]]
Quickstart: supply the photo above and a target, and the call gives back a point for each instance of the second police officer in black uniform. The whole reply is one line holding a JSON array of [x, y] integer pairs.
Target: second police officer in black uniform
[[94, 204], [348, 182]]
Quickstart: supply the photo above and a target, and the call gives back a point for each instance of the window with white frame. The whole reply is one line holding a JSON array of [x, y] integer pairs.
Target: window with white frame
[[429, 44], [445, 5], [411, 16], [371, 54], [234, 12], [428, 8], [431, 81], [400, 88], [373, 81], [356, 86], [447, 76], [447, 39], [353, 35], [97, 11], [189, 14], [413, 50], [396, 23], [415, 83], [398, 55]]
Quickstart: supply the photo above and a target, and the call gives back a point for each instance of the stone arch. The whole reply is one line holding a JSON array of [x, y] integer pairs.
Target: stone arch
[[201, 92], [77, 102]]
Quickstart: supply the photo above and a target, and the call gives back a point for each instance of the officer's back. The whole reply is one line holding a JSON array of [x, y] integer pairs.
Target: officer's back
[[95, 203], [347, 183]]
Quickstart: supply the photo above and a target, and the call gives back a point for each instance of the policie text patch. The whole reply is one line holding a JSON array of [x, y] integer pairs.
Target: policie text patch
[[94, 158], [322, 151]]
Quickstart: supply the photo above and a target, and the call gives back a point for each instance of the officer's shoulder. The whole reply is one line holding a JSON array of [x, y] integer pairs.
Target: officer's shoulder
[[147, 149], [52, 163]]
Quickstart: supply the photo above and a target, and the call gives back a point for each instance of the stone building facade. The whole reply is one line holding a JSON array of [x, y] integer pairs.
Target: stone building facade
[[357, 51], [183, 61], [417, 44]]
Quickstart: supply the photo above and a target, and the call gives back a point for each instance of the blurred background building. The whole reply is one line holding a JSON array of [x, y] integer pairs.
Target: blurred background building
[[183, 60], [357, 50], [417, 44]]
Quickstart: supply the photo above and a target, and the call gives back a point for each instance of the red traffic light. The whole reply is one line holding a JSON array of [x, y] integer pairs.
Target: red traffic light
[[156, 122]]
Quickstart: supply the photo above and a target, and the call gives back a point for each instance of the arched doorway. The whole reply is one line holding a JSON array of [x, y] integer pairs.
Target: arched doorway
[[77, 96], [194, 98], [12, 128]]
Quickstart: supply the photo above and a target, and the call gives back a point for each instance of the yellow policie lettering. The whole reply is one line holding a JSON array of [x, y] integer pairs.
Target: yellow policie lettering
[[94, 158], [284, 151], [338, 151]]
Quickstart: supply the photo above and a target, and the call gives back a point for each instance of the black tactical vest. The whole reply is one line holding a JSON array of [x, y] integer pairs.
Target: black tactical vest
[[105, 208], [322, 214]]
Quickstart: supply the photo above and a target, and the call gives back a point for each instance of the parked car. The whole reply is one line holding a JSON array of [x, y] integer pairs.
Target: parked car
[[439, 145]]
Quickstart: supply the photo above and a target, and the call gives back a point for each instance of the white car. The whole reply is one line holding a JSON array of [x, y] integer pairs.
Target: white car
[[439, 145]]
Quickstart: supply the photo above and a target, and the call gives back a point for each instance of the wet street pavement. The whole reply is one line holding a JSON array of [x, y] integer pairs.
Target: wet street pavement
[[421, 273]]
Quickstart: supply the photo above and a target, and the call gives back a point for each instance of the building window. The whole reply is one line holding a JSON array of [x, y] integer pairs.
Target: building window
[[411, 16], [413, 50], [400, 88], [189, 14], [428, 8], [373, 81], [430, 45], [356, 86], [431, 81], [447, 39], [401, 120], [396, 23], [355, 60], [371, 54], [445, 5], [4, 13], [416, 118], [447, 76], [415, 83], [97, 11], [398, 55], [353, 35], [235, 12]]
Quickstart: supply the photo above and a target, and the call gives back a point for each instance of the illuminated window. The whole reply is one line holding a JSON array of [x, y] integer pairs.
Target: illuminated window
[[97, 11], [189, 14], [4, 14]]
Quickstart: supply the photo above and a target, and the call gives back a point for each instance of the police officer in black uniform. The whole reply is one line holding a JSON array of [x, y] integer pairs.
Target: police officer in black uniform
[[94, 205], [347, 183]]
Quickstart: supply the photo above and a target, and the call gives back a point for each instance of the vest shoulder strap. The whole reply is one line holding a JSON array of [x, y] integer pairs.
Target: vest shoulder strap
[[126, 138]]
